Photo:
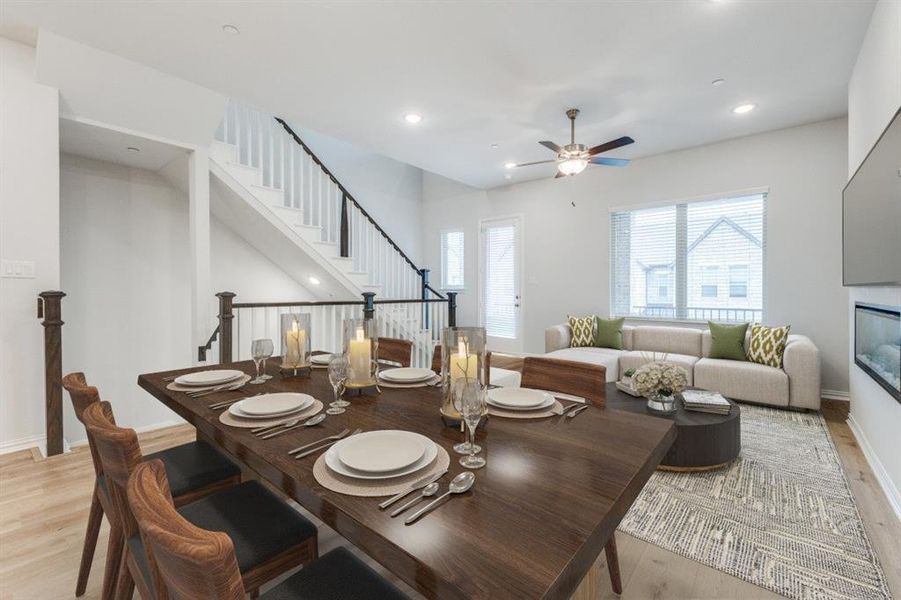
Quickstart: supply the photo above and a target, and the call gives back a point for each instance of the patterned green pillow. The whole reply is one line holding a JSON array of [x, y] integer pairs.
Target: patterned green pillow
[[768, 345], [582, 331]]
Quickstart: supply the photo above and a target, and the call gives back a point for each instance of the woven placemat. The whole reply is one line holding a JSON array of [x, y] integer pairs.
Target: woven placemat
[[553, 410], [194, 388], [226, 418], [369, 488], [420, 384]]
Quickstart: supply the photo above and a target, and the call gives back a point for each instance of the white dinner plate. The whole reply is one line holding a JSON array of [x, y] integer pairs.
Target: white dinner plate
[[321, 359], [271, 405], [381, 451], [407, 375], [214, 377], [334, 463], [519, 399]]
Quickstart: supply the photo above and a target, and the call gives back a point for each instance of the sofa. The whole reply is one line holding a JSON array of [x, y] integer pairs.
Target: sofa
[[795, 385]]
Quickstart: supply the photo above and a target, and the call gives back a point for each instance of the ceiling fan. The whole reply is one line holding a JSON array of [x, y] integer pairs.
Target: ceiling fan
[[573, 158]]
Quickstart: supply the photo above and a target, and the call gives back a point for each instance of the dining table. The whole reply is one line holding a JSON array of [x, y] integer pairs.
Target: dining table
[[532, 526]]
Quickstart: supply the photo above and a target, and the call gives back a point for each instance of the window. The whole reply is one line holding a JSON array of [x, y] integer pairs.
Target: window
[[452, 271], [738, 281], [672, 261]]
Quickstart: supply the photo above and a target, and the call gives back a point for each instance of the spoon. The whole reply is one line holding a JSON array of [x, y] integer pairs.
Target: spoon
[[459, 484], [292, 425], [427, 491]]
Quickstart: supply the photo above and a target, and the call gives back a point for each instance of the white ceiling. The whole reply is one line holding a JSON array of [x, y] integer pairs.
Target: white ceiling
[[101, 143], [493, 72]]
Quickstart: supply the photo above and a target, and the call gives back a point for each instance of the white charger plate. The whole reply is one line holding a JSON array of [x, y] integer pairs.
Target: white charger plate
[[286, 403], [381, 451], [519, 399], [213, 377], [407, 375], [321, 359], [334, 463]]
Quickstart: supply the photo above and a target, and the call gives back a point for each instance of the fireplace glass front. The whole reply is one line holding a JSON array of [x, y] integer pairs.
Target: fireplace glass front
[[877, 345]]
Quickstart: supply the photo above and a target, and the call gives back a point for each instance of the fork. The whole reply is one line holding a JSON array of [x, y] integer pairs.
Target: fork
[[221, 388], [323, 446], [225, 403], [337, 436]]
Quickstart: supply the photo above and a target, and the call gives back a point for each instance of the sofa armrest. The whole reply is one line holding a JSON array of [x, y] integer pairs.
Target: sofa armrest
[[801, 363], [557, 337]]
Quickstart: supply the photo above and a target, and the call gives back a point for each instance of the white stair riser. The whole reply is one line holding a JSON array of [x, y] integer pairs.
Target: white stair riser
[[224, 153], [291, 216], [246, 176], [270, 196]]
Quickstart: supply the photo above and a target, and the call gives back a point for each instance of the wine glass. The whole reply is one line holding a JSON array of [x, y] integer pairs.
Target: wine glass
[[337, 376], [459, 390], [269, 349], [259, 351], [473, 405]]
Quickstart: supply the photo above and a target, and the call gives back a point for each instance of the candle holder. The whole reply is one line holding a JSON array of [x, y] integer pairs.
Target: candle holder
[[295, 329], [463, 357], [361, 350]]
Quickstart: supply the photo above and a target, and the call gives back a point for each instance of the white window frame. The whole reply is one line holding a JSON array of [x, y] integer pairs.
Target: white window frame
[[444, 283]]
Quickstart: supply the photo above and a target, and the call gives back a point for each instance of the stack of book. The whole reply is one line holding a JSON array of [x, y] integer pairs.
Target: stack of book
[[708, 402]]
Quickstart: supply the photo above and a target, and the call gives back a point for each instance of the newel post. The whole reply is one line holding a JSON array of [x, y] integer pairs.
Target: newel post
[[368, 305], [425, 296], [50, 310], [226, 299], [345, 241], [452, 309]]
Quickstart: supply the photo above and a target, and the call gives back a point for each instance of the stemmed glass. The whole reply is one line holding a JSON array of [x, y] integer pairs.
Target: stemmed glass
[[260, 350], [337, 376], [472, 404], [269, 349], [460, 386]]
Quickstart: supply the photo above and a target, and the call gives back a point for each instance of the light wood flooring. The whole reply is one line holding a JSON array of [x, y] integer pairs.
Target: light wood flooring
[[44, 505]]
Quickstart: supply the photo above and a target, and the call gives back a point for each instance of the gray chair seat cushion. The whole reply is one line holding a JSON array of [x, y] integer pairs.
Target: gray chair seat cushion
[[194, 465], [259, 523], [747, 381], [635, 359], [337, 575]]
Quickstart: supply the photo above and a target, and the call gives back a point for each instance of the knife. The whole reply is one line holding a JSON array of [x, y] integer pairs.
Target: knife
[[413, 487]]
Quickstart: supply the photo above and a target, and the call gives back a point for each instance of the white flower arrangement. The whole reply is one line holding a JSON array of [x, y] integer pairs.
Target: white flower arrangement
[[659, 378]]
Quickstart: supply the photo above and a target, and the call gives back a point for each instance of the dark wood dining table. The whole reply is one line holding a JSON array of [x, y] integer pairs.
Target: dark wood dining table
[[533, 525]]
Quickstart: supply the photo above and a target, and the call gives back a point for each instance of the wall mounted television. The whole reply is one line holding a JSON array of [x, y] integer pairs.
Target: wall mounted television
[[871, 214]]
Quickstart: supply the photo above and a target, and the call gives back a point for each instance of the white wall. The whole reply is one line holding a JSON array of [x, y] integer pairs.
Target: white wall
[[29, 230], [389, 190], [124, 243], [566, 248], [874, 95]]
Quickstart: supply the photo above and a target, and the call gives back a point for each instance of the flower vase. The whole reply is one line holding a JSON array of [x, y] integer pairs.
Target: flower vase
[[662, 403]]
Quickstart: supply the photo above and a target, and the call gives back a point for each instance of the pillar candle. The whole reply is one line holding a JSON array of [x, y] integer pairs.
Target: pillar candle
[[463, 364], [296, 343], [360, 358]]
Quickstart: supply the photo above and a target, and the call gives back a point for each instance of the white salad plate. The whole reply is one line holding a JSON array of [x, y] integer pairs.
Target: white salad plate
[[334, 463], [407, 375], [214, 377], [381, 451], [271, 405], [321, 359], [519, 399]]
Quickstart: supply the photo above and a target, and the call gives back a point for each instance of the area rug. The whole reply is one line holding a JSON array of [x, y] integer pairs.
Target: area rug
[[781, 516]]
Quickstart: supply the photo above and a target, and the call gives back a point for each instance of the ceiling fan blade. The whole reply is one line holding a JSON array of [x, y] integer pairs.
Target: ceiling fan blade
[[611, 145], [537, 162], [551, 146], [558, 175], [610, 162]]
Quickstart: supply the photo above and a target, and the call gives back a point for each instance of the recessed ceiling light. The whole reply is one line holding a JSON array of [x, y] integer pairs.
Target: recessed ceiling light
[[718, 81], [742, 109], [509, 165], [508, 176], [495, 146], [413, 118], [230, 29], [133, 149], [313, 280]]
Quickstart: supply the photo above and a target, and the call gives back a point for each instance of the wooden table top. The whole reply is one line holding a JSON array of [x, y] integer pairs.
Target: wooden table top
[[538, 516]]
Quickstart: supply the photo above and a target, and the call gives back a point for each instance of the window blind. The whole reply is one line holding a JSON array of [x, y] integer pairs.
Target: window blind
[[499, 285], [695, 261], [452, 270]]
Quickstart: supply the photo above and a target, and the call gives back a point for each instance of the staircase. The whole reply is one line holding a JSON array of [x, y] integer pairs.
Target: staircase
[[274, 191]]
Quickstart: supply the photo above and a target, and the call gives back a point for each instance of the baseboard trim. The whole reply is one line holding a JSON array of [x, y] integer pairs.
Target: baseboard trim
[[887, 485], [28, 442], [835, 395], [144, 429]]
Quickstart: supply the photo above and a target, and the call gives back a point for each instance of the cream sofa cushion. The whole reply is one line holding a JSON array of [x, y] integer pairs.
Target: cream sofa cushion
[[671, 340], [743, 380], [607, 357], [634, 359]]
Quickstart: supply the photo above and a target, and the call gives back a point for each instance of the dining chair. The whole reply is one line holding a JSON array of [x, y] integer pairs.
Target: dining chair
[[196, 469], [191, 561], [271, 537], [395, 351], [578, 379]]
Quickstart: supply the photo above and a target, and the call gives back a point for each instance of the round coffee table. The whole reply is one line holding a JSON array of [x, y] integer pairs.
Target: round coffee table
[[704, 441]]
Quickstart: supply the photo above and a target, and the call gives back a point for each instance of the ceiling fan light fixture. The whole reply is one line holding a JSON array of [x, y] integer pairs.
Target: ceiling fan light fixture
[[572, 166]]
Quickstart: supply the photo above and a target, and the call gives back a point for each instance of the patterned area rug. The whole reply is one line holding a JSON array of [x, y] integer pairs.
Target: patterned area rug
[[781, 516]]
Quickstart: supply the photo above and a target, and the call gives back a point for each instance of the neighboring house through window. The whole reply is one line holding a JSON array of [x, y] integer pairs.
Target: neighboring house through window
[[709, 281], [738, 281]]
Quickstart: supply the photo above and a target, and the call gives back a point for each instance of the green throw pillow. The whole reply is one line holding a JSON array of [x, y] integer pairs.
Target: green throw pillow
[[609, 333], [727, 341], [768, 345], [583, 331]]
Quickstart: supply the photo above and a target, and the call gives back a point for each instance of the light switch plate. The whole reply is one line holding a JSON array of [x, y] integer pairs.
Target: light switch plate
[[17, 269]]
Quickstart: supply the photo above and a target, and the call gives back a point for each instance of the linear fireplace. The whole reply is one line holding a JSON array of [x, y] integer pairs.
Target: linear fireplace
[[877, 344]]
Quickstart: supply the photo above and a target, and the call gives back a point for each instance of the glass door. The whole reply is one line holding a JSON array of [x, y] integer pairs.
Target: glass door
[[500, 299]]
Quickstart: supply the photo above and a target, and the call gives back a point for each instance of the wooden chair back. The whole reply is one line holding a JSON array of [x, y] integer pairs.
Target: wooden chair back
[[82, 396], [190, 562], [395, 350], [567, 377]]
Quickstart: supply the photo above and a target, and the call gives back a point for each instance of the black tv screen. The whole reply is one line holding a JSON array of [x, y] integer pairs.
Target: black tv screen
[[871, 214]]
